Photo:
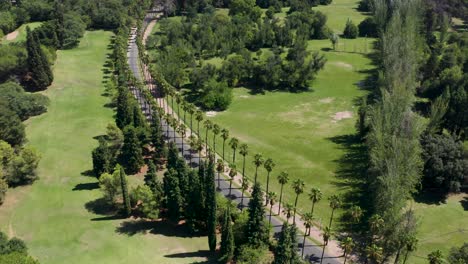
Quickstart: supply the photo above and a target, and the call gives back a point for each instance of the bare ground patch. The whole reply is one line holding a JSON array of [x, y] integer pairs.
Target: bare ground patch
[[342, 115], [12, 35]]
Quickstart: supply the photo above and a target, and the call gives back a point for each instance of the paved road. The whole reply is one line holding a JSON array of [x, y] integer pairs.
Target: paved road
[[312, 252]]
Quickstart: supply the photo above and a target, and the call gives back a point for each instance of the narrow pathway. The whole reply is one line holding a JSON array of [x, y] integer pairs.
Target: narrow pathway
[[312, 251]]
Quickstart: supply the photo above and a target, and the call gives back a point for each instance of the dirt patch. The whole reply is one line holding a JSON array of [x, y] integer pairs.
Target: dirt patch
[[12, 35], [244, 96], [211, 113], [327, 100], [342, 115], [343, 65]]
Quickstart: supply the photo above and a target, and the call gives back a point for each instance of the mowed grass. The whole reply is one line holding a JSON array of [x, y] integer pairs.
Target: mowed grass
[[51, 215], [441, 226], [21, 37]]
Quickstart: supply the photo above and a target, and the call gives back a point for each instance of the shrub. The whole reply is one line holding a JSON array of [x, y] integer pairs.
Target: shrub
[[351, 31], [368, 28]]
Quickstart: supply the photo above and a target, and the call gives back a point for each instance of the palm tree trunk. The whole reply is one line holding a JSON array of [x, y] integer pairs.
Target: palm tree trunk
[[303, 243], [397, 257], [295, 207], [312, 210], [268, 182], [233, 155], [214, 143], [230, 186], [219, 188], [191, 128], [345, 253], [198, 129], [224, 142], [331, 218], [206, 138], [271, 212], [178, 111], [323, 252], [184, 116], [199, 159], [243, 168], [406, 257], [281, 196], [242, 201]]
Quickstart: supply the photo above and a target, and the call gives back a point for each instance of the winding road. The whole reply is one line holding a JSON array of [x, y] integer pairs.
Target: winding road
[[312, 252]]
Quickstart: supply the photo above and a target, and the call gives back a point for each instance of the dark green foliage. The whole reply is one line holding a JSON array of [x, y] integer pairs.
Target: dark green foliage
[[227, 238], [456, 119], [368, 28], [101, 158], [124, 189], [11, 127], [173, 194], [73, 29], [124, 113], [256, 230], [216, 96], [172, 156], [40, 74], [131, 156], [13, 60], [14, 245], [459, 255], [350, 31], [445, 166], [194, 205], [366, 5], [22, 168], [253, 254], [15, 258], [151, 178], [23, 104], [210, 205], [286, 250], [157, 140]]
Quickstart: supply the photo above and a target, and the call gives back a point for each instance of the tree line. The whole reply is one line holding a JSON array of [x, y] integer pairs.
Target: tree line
[[14, 250]]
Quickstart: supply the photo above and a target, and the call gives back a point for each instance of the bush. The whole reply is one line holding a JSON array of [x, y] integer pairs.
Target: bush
[[249, 254], [459, 255], [23, 104], [365, 5], [350, 31], [216, 96], [368, 28], [325, 2], [17, 258]]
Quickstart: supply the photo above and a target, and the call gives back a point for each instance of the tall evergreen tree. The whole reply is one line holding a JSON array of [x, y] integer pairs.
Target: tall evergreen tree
[[124, 113], [157, 139], [125, 196], [256, 229], [131, 156], [285, 252], [151, 178], [101, 158], [211, 205], [39, 68], [172, 156], [173, 194], [227, 238], [193, 206]]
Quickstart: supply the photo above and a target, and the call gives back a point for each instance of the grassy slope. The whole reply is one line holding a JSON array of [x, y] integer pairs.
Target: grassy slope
[[50, 215], [22, 32]]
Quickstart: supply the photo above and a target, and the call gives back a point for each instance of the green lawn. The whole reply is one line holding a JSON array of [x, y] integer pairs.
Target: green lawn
[[52, 215], [22, 32]]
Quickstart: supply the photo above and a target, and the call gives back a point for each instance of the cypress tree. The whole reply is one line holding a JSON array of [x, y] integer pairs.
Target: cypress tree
[[157, 139], [172, 194], [101, 158], [202, 216], [227, 238], [38, 65], [123, 185], [211, 205], [256, 233], [172, 156], [124, 113], [193, 208], [151, 177], [285, 252], [131, 155], [59, 31], [182, 174]]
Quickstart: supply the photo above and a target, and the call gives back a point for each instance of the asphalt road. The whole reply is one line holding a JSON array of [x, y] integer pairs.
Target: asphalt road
[[312, 251]]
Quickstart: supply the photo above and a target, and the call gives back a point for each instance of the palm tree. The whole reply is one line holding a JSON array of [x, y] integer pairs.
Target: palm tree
[[232, 174], [258, 161], [315, 195], [411, 246], [216, 131], [225, 136], [298, 186], [219, 169], [178, 98], [435, 257], [244, 151], [244, 187], [374, 253], [193, 146], [269, 165], [234, 143], [288, 210], [308, 220], [167, 117], [199, 118], [173, 93], [191, 110], [356, 213], [185, 107], [335, 202], [199, 148], [174, 124], [283, 179], [376, 223], [208, 126], [182, 129], [347, 244], [271, 198], [327, 233]]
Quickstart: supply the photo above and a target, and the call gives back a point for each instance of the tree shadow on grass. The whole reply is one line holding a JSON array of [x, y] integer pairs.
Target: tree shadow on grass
[[88, 173], [100, 207], [159, 227], [210, 256], [86, 186], [464, 203]]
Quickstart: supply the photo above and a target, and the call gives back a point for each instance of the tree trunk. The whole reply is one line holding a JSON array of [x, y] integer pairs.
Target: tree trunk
[[230, 186], [281, 196], [256, 169], [268, 182], [224, 143], [323, 252], [219, 187], [303, 243], [406, 257], [312, 210], [331, 218], [295, 208], [345, 256]]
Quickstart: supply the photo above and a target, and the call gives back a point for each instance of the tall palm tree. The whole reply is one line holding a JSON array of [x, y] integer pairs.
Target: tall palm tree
[[308, 220], [283, 179], [298, 186], [244, 151], [208, 126], [327, 233], [193, 146], [411, 246], [219, 169], [376, 222], [269, 165], [174, 124], [200, 144], [234, 143], [182, 129], [356, 213], [178, 99], [225, 136], [232, 174], [288, 210], [199, 118], [335, 202], [347, 244], [271, 197], [258, 161], [315, 195], [244, 186], [374, 253], [167, 118], [191, 111], [216, 131], [185, 107]]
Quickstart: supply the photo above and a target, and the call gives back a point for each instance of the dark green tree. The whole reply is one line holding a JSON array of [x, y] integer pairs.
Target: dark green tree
[[256, 229], [40, 72], [124, 113], [173, 194], [101, 158], [124, 188], [227, 238], [131, 156], [351, 31], [211, 205], [285, 252]]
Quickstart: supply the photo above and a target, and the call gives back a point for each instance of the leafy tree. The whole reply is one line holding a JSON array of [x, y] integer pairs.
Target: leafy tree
[[110, 186], [39, 68], [334, 38], [124, 113], [195, 201], [283, 178], [256, 230], [368, 28], [23, 104], [101, 158], [351, 31], [285, 252], [374, 253], [14, 258], [131, 156], [16, 245], [459, 255], [148, 203], [435, 257], [271, 198], [227, 238], [22, 169], [157, 139], [11, 127], [215, 96]]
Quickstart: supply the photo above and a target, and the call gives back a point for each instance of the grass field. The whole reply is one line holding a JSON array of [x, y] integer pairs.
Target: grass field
[[22, 32], [58, 216]]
